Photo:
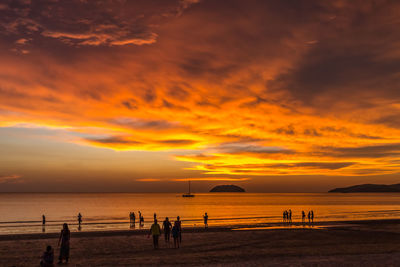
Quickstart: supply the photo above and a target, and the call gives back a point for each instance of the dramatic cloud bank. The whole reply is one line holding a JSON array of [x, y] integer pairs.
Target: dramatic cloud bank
[[233, 88]]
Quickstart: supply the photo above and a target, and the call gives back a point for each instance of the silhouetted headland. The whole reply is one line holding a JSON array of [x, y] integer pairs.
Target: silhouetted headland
[[227, 188], [368, 188]]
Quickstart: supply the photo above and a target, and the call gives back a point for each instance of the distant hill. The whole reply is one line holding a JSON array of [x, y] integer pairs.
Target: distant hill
[[227, 188], [367, 188]]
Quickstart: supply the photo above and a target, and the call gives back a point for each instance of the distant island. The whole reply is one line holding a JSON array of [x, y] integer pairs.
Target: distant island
[[367, 188], [227, 188]]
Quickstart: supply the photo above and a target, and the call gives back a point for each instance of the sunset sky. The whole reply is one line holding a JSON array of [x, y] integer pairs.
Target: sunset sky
[[141, 95]]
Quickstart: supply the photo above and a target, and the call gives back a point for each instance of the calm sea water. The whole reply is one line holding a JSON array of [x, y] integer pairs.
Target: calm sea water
[[21, 212]]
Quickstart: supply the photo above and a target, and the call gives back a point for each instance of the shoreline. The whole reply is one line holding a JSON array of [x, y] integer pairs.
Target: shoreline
[[210, 229]]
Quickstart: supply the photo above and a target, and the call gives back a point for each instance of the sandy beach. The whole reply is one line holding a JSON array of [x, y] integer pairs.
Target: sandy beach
[[355, 243]]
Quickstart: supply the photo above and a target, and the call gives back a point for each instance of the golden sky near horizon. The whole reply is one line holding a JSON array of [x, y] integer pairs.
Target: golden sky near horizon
[[266, 93]]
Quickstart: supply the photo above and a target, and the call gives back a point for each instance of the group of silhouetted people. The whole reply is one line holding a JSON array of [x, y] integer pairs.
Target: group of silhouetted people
[[287, 216], [132, 219], [310, 216], [175, 229], [168, 228]]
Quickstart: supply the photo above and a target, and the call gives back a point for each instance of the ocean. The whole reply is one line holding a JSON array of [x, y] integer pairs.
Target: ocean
[[22, 212]]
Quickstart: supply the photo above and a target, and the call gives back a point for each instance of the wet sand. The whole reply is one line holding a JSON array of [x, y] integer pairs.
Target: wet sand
[[357, 243]]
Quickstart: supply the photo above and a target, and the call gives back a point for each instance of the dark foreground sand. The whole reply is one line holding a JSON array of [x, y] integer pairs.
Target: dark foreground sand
[[367, 243]]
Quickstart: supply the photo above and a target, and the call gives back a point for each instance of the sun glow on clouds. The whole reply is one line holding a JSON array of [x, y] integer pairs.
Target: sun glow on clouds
[[312, 97]]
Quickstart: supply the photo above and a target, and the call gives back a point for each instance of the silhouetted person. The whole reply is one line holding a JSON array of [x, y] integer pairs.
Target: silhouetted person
[[167, 229], [175, 235], [132, 219], [178, 222], [155, 231], [43, 219], [290, 216], [64, 240], [79, 218], [303, 217], [205, 217], [47, 259], [155, 216], [284, 216], [141, 219], [309, 217], [312, 216]]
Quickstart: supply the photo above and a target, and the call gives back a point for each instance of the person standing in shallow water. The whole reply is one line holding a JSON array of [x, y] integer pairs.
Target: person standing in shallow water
[[312, 216], [155, 231], [43, 220], [205, 216], [167, 229], [64, 241], [178, 222], [141, 219], [303, 216], [309, 217], [79, 218]]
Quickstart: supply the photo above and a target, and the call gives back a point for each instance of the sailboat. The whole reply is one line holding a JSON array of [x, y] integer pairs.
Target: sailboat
[[188, 194]]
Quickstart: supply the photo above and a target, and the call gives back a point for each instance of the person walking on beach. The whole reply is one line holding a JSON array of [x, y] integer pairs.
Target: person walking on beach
[[155, 231], [312, 216], [284, 216], [43, 220], [47, 259], [290, 216], [309, 217], [64, 240], [303, 216], [179, 225], [205, 216], [175, 235], [79, 218], [167, 229]]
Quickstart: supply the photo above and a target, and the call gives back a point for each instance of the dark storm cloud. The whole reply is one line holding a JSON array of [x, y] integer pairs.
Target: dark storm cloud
[[355, 53], [392, 120], [346, 131], [116, 140], [86, 23], [243, 148], [374, 151], [130, 104], [177, 142], [145, 124], [311, 165]]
